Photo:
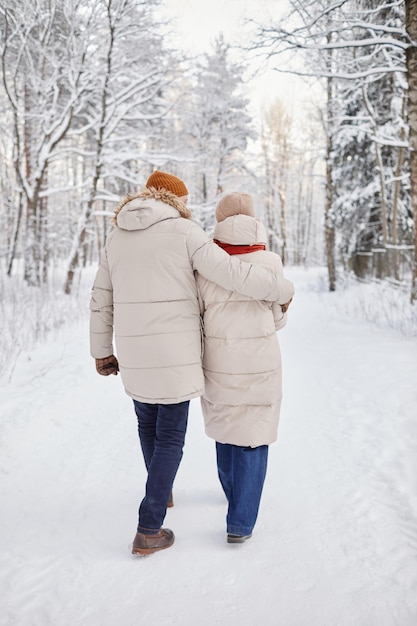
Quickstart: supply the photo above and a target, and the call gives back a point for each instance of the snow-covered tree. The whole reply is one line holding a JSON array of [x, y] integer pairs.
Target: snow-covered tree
[[276, 150], [371, 187], [411, 25], [217, 124], [43, 53], [83, 85], [357, 48], [131, 70]]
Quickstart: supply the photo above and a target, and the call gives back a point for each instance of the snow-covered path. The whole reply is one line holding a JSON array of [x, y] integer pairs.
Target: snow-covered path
[[336, 540]]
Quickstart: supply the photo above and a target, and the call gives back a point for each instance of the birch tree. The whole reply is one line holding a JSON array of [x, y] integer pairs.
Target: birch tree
[[125, 98], [356, 47], [411, 25], [43, 57], [276, 149], [370, 153]]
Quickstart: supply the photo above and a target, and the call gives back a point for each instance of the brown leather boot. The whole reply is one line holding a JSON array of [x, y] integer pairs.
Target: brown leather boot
[[170, 501], [147, 544]]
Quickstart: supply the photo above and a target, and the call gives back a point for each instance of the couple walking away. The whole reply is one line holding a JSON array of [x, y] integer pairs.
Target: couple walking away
[[192, 316]]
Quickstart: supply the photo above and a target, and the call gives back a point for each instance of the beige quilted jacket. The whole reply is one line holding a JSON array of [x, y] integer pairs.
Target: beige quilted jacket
[[242, 359]]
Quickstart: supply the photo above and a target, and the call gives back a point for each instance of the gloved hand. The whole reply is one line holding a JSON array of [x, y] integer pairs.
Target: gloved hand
[[284, 307], [108, 365]]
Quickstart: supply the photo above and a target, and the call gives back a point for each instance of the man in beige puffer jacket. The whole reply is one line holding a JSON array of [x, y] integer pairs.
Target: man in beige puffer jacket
[[242, 368], [145, 292]]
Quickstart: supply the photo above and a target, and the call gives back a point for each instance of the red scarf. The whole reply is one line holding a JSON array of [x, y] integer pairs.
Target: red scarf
[[244, 249]]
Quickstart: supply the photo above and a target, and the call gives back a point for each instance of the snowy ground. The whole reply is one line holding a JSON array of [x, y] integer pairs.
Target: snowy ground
[[336, 540]]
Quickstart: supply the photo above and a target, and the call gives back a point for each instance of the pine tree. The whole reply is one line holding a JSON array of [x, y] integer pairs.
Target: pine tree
[[218, 126]]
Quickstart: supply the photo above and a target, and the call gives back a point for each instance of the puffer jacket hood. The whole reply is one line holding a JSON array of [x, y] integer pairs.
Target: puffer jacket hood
[[240, 230], [141, 210]]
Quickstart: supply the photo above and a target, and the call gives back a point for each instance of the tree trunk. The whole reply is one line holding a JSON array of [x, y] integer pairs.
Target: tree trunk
[[328, 217], [204, 188], [43, 230], [300, 225], [269, 190], [87, 210], [396, 197], [283, 224], [31, 255], [220, 170], [15, 235], [397, 182], [309, 201], [411, 26], [80, 237], [328, 223], [380, 166]]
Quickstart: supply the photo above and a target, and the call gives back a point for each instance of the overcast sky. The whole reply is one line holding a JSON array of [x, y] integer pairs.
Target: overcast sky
[[199, 22]]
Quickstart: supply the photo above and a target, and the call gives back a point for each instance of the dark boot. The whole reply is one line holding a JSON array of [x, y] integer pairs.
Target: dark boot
[[147, 544], [238, 538]]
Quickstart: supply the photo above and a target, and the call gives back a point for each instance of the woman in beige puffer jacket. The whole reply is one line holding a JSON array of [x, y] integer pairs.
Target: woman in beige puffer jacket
[[242, 368]]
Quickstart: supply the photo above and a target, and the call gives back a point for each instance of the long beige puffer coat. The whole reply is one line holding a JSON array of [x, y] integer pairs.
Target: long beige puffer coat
[[242, 359], [145, 290]]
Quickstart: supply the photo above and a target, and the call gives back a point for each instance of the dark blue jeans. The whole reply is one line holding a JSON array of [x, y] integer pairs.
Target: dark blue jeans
[[161, 429], [242, 472]]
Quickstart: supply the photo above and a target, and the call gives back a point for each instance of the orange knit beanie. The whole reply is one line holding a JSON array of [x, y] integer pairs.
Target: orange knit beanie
[[162, 180]]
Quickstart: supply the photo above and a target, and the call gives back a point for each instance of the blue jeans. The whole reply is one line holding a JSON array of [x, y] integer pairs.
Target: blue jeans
[[242, 472], [161, 429]]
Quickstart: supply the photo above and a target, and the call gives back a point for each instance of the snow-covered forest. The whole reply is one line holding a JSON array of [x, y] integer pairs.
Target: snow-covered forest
[[363, 51], [93, 98]]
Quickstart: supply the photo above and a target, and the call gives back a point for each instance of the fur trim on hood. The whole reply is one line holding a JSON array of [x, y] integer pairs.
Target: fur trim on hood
[[151, 193]]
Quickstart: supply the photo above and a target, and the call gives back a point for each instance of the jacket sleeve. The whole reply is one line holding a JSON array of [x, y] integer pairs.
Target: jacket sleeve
[[229, 272], [280, 318], [101, 312]]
